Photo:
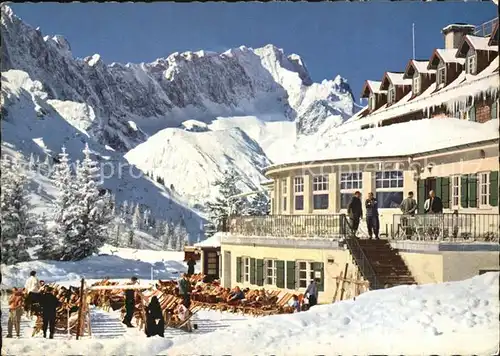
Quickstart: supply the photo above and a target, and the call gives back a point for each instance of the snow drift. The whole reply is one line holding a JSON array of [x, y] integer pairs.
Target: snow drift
[[455, 318]]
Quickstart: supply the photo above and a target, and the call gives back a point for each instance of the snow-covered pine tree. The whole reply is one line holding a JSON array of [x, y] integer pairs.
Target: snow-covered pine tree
[[136, 218], [259, 205], [14, 212], [145, 219], [65, 212], [172, 242], [47, 166], [93, 212], [181, 234], [220, 208], [166, 235], [31, 163]]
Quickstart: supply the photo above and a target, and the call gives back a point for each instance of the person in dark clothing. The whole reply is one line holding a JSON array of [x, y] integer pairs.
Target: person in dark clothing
[[49, 304], [185, 290], [129, 304], [433, 205], [191, 263], [236, 294], [355, 211], [155, 324], [372, 220]]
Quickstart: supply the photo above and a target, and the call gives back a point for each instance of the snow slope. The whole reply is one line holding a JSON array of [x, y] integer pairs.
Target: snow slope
[[112, 262], [458, 318], [31, 124]]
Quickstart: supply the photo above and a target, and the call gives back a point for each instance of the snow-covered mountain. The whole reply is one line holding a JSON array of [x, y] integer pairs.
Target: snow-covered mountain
[[186, 118]]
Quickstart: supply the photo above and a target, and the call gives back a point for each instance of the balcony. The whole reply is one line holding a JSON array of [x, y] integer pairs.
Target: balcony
[[332, 225], [450, 227], [485, 29]]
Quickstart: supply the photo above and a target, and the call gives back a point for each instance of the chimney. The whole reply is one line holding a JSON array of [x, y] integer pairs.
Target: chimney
[[453, 34]]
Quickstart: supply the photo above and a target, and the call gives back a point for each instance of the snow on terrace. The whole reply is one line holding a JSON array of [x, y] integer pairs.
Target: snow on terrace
[[440, 319], [454, 96], [403, 139]]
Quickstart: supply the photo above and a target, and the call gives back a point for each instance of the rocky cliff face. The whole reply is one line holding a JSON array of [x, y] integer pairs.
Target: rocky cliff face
[[134, 101]]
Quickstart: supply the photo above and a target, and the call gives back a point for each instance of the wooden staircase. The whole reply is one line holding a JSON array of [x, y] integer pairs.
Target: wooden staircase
[[386, 263]]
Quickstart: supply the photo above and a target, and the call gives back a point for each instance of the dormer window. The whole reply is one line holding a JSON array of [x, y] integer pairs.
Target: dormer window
[[391, 94], [416, 84], [441, 76], [371, 102], [471, 64]]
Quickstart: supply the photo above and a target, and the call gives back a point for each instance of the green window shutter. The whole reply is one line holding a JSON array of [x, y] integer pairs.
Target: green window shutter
[[290, 274], [473, 191], [438, 187], [253, 271], [421, 195], [494, 188], [445, 192], [238, 269], [280, 274], [464, 191], [319, 267], [260, 272]]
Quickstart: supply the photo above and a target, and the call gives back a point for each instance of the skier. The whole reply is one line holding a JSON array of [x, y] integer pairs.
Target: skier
[[372, 220]]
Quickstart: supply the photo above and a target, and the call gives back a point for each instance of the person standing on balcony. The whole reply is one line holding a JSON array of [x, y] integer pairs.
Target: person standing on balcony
[[191, 263], [355, 211], [409, 205], [433, 205], [372, 221]]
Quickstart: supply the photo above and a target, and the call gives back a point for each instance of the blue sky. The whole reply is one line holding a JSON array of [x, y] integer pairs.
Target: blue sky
[[359, 41]]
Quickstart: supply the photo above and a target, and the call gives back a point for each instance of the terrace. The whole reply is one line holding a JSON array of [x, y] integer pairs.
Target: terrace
[[449, 227]]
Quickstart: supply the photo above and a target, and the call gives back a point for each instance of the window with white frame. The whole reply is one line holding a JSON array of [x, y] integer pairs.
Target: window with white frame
[[284, 191], [349, 184], [305, 273], [471, 64], [455, 192], [270, 272], [298, 190], [391, 94], [441, 75], [484, 189], [320, 192], [389, 189], [246, 269], [416, 84]]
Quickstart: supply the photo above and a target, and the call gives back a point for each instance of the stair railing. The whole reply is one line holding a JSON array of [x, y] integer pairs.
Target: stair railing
[[360, 258]]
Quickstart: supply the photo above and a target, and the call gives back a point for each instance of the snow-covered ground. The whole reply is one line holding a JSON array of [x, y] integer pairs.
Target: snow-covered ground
[[112, 262], [447, 318]]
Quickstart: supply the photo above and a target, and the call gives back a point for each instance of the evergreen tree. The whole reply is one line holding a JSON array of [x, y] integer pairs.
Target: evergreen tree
[[259, 205], [66, 209], [181, 235], [31, 163], [15, 218], [93, 212], [172, 242], [136, 218], [224, 205], [166, 235]]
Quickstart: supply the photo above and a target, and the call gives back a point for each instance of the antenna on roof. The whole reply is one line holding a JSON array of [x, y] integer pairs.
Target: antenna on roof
[[413, 38]]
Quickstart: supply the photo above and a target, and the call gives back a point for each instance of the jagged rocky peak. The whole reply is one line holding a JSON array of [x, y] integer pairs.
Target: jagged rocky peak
[[198, 85]]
